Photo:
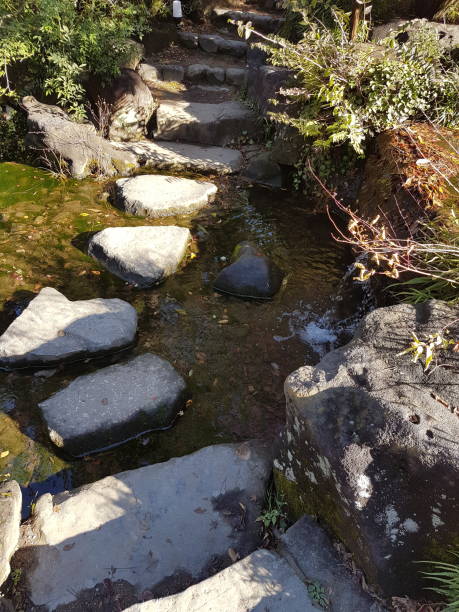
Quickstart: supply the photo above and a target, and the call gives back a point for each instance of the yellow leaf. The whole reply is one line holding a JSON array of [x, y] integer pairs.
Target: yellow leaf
[[84, 214], [4, 454]]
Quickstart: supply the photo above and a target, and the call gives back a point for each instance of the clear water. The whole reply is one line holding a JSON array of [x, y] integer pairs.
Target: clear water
[[234, 354]]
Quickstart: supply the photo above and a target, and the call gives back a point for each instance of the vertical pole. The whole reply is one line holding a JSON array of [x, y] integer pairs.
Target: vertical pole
[[356, 17]]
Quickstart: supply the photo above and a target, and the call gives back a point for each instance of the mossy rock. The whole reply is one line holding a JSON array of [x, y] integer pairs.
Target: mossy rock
[[449, 12]]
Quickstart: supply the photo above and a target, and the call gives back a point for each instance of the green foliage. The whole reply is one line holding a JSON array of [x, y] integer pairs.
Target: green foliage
[[273, 515], [347, 91], [59, 42], [446, 576], [318, 594]]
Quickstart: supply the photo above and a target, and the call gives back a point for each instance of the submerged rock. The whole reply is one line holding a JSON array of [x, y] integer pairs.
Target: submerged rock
[[162, 196], [371, 446], [143, 256], [158, 528], [10, 519], [252, 275], [264, 171], [53, 329], [70, 147], [114, 404]]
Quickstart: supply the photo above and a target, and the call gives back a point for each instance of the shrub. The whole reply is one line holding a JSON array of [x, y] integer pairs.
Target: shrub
[[347, 91], [51, 45]]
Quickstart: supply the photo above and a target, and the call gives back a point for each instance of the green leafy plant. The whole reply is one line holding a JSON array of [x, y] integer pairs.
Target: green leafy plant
[[318, 594], [273, 515], [446, 577]]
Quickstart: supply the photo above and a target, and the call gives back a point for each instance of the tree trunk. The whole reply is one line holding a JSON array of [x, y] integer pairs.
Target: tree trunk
[[356, 18]]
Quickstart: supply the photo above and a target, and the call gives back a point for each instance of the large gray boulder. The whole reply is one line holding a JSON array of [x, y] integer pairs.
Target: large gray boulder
[[159, 528], [162, 196], [128, 102], [262, 581], [114, 404], [142, 256], [371, 446], [53, 329], [70, 147], [181, 156], [201, 123], [10, 519], [448, 34]]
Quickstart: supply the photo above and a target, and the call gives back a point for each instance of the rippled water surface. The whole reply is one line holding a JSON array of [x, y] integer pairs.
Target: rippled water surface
[[234, 354]]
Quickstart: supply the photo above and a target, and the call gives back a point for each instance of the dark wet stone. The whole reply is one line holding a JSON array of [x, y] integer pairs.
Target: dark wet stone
[[251, 275]]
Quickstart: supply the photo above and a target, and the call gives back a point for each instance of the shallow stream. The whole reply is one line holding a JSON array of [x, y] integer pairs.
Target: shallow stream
[[234, 354]]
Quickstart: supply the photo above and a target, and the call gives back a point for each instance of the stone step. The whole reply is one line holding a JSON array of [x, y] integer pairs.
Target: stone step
[[213, 43], [209, 124], [179, 157], [158, 528], [267, 23], [198, 73], [53, 329]]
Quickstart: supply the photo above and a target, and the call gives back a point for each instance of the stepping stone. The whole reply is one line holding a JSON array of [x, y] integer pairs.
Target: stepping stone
[[162, 196], [251, 275], [188, 39], [114, 404], [263, 581], [178, 156], [236, 76], [211, 124], [209, 43], [156, 528], [53, 329], [143, 256], [172, 73], [10, 519]]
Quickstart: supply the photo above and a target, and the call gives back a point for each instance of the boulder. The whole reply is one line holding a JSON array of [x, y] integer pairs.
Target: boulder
[[70, 147], [235, 48], [10, 520], [264, 171], [180, 156], [128, 102], [142, 256], [251, 275], [162, 196], [370, 446], [114, 404], [173, 73], [448, 34], [236, 77], [158, 528], [265, 83], [149, 73], [188, 39], [209, 43], [215, 75], [262, 581], [53, 329], [265, 22], [201, 123]]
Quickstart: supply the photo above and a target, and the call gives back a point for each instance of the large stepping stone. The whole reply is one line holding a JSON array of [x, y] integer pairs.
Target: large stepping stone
[[251, 275], [210, 124], [179, 156], [262, 581], [53, 329], [158, 528], [10, 519], [143, 256], [162, 196], [114, 404]]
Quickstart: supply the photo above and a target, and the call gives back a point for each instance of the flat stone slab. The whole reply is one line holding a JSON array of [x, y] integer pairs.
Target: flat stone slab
[[262, 581], [178, 156], [10, 519], [310, 549], [209, 124], [53, 329], [266, 22], [162, 196], [114, 404], [143, 256], [159, 528]]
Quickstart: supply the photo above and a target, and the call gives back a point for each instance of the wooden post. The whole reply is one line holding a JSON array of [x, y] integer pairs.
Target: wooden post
[[356, 17]]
